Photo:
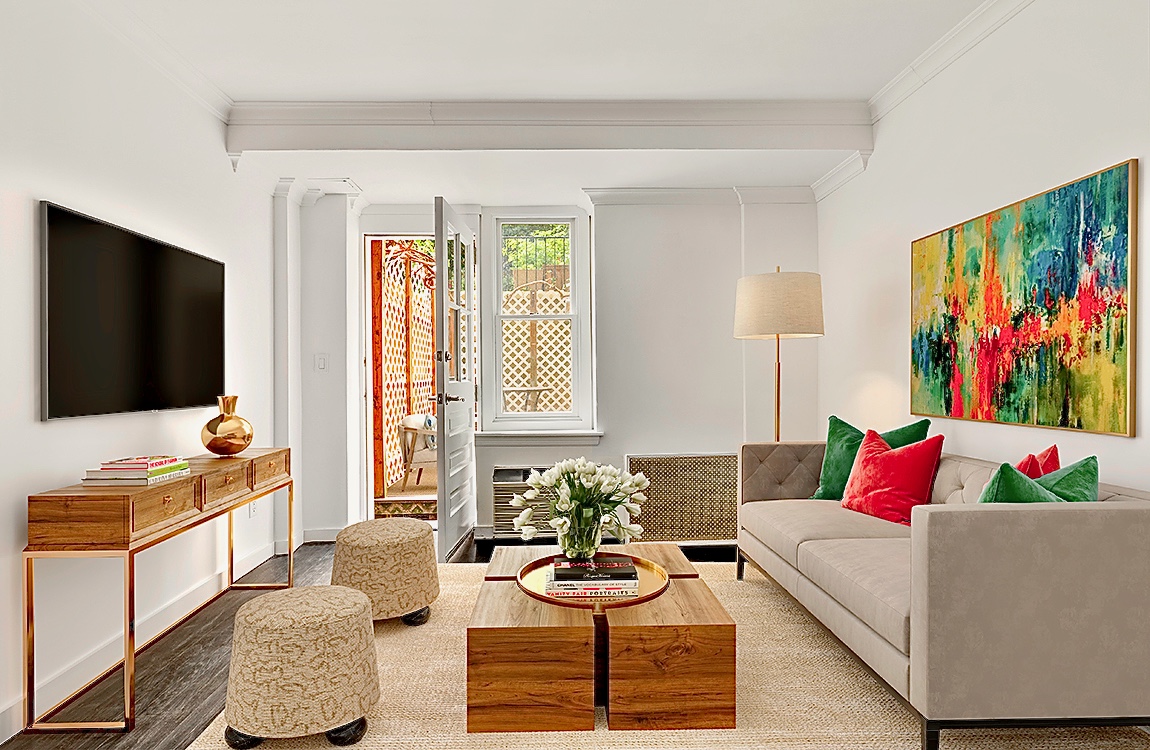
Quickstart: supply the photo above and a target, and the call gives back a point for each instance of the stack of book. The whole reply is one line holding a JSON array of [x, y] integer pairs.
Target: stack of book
[[137, 471], [605, 576]]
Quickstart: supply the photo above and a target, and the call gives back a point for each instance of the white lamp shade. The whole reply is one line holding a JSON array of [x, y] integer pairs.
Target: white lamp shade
[[787, 304]]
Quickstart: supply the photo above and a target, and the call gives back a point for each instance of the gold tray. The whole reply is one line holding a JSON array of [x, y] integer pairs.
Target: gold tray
[[653, 580]]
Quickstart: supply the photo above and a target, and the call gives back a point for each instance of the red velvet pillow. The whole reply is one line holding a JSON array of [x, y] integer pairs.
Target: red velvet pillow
[[1036, 466], [887, 482]]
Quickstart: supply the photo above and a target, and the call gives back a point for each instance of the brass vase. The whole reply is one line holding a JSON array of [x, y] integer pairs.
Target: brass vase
[[227, 434]]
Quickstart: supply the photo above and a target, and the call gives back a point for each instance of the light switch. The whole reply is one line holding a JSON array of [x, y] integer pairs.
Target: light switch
[[321, 361]]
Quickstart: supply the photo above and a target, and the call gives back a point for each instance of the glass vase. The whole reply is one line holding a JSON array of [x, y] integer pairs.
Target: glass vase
[[582, 540]]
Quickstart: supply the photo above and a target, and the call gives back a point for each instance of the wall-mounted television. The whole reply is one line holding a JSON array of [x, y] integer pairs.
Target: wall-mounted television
[[128, 323]]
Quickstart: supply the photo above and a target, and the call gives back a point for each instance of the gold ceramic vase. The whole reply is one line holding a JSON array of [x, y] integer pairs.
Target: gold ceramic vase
[[227, 434]]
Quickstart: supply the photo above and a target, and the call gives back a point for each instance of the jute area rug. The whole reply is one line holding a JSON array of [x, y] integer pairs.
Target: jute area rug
[[797, 689]]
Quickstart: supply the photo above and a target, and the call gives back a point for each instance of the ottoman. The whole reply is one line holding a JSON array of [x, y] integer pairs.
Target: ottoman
[[303, 662], [392, 560]]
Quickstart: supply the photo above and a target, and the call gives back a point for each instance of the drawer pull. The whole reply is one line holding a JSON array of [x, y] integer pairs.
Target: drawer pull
[[271, 464], [228, 479], [167, 499]]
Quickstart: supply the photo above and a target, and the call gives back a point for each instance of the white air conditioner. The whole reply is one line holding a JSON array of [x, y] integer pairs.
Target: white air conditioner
[[507, 481]]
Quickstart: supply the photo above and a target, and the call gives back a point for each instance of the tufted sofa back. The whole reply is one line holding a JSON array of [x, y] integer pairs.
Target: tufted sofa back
[[779, 471]]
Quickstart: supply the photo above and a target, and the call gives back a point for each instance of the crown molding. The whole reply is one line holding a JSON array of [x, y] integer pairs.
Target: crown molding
[[848, 169], [755, 195], [981, 23], [538, 125], [662, 196], [291, 189], [140, 37]]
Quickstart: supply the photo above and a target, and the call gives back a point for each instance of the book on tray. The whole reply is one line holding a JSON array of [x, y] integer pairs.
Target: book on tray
[[141, 471], [605, 576]]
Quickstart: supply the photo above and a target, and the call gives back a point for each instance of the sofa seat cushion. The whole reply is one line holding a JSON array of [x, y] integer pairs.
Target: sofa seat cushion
[[870, 577], [783, 525]]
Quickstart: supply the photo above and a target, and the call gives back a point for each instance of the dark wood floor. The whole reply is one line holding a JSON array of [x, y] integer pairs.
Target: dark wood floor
[[181, 679]]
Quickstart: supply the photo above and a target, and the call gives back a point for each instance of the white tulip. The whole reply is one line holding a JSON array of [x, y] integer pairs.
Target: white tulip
[[638, 498], [561, 524], [531, 494], [632, 508], [523, 518], [517, 501], [563, 504], [633, 530], [606, 520], [528, 532], [641, 482]]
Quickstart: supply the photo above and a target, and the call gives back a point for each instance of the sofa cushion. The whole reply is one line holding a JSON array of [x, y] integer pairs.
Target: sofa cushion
[[1073, 484], [870, 577], [887, 482], [843, 441], [1045, 462], [783, 525]]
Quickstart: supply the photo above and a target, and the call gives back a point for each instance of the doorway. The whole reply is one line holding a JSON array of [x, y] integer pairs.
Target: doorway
[[402, 270]]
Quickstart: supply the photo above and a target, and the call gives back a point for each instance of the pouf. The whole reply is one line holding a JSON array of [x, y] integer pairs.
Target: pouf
[[303, 662], [392, 560]]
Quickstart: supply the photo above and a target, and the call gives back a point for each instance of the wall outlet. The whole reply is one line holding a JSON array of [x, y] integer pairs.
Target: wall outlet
[[321, 362], [252, 508]]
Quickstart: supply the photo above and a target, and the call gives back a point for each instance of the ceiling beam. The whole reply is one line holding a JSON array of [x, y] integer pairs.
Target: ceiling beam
[[540, 125]]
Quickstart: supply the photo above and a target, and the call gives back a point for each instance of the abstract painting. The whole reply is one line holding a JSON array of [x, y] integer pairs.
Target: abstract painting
[[1025, 315]]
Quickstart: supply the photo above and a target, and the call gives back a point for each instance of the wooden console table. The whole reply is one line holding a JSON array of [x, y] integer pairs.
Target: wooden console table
[[121, 522]]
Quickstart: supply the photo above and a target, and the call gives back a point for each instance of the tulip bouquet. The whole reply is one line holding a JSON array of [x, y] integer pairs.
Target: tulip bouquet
[[585, 499]]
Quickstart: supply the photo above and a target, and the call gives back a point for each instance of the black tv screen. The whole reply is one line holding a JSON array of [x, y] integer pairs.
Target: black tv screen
[[129, 323]]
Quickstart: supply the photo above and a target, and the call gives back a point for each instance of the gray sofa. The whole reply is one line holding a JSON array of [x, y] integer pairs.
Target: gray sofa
[[994, 615]]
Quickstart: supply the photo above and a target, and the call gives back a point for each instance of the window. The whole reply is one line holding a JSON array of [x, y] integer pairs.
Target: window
[[537, 322]]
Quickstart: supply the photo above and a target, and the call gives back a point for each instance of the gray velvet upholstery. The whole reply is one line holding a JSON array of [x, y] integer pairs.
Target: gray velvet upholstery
[[779, 471], [786, 524], [870, 577], [978, 611]]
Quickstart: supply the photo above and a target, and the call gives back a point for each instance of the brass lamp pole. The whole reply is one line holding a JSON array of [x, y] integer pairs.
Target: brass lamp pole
[[780, 306]]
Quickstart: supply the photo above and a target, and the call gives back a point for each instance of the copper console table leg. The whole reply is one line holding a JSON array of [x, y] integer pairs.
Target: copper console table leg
[[290, 543], [36, 722]]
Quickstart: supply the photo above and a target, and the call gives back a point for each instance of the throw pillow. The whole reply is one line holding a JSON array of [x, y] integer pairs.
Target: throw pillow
[[1045, 462], [1077, 483], [887, 482], [843, 441]]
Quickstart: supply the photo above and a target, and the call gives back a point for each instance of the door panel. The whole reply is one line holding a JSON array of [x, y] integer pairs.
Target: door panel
[[455, 248]]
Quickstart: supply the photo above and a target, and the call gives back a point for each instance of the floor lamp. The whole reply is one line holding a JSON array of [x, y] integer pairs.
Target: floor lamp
[[779, 306]]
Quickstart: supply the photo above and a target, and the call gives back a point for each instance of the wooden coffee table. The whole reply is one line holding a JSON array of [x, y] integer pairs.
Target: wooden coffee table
[[668, 663]]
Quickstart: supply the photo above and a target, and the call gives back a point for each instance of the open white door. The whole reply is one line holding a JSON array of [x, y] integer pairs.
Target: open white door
[[455, 372]]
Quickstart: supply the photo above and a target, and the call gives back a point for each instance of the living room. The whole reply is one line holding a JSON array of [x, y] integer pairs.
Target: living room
[[720, 143]]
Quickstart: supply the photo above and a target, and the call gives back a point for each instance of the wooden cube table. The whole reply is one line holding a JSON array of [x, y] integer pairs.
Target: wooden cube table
[[530, 665], [668, 663]]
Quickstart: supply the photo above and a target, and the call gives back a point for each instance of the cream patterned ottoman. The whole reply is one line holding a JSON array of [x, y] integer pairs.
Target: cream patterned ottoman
[[303, 662], [392, 560]]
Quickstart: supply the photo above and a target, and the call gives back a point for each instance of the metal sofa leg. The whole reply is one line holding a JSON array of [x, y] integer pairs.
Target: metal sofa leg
[[930, 735], [740, 565]]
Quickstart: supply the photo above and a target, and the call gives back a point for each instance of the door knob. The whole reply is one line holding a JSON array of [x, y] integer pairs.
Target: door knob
[[442, 399]]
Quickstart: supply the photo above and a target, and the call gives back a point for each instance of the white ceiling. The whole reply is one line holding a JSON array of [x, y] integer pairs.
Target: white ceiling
[[421, 50], [479, 50], [524, 178]]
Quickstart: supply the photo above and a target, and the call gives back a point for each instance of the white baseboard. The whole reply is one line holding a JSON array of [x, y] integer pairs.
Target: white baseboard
[[55, 687], [320, 535]]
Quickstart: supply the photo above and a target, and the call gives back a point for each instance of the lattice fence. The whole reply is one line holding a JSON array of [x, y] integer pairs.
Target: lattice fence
[[390, 265], [537, 354]]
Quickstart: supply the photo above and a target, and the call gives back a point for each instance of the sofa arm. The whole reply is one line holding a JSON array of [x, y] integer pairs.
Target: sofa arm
[[779, 471], [1025, 611]]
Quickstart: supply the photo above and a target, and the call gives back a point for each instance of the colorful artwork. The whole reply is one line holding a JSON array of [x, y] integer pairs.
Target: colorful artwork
[[1026, 315]]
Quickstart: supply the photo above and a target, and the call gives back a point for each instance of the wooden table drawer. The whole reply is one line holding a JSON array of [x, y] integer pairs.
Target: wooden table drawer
[[163, 505], [225, 484], [269, 467]]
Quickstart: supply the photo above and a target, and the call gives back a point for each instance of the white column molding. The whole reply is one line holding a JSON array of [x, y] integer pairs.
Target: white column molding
[[287, 396]]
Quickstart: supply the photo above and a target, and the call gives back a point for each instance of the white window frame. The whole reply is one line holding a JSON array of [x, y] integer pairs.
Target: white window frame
[[582, 414]]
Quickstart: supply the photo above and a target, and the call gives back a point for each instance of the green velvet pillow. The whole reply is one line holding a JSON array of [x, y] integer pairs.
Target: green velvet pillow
[[1077, 483], [843, 441]]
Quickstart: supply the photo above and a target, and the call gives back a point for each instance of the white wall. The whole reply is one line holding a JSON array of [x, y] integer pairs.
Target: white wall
[[89, 124], [1056, 93], [670, 376], [324, 334]]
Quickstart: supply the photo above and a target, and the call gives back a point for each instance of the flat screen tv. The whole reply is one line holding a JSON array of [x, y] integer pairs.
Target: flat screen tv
[[129, 323]]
